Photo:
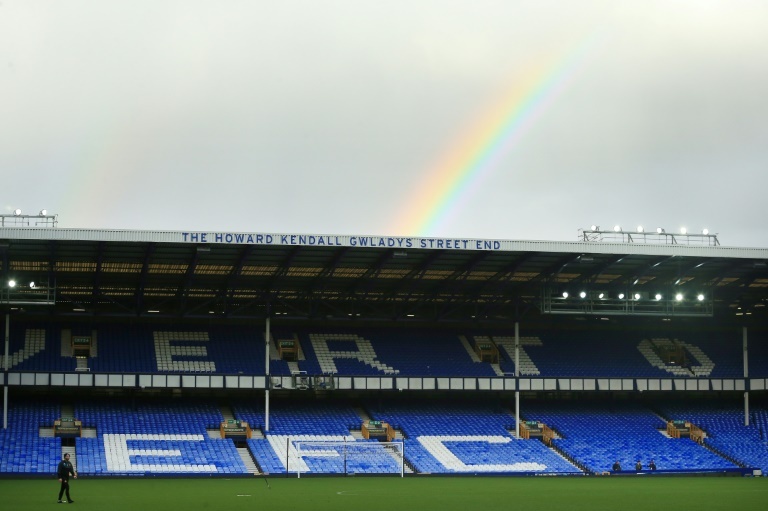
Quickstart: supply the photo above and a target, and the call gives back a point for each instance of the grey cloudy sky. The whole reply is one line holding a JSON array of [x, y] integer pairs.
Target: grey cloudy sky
[[331, 117]]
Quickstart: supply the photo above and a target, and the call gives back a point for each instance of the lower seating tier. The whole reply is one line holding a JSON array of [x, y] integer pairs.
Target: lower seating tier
[[131, 454], [180, 437]]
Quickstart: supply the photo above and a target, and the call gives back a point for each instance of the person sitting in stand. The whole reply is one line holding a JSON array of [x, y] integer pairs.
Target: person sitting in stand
[[638, 466], [652, 465], [617, 466]]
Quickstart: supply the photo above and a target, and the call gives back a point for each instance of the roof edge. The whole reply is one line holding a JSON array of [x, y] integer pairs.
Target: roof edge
[[367, 241]]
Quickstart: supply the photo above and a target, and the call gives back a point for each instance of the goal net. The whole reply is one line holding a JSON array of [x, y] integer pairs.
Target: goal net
[[339, 457]]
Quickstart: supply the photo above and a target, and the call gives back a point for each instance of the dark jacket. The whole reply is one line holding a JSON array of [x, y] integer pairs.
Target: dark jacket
[[65, 470]]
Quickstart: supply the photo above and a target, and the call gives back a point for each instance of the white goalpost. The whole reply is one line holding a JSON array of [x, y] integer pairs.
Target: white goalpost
[[349, 458]]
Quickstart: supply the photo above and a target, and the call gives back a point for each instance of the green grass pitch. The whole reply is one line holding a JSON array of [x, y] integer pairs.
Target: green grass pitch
[[394, 493]]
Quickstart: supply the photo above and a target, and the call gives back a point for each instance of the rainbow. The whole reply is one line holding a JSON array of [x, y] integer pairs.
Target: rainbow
[[459, 172]]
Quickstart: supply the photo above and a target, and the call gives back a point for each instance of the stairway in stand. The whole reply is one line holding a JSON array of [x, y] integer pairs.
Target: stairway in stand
[[250, 464], [226, 412], [69, 411]]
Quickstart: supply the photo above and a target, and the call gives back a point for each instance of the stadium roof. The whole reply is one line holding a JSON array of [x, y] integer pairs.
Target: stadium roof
[[175, 274]]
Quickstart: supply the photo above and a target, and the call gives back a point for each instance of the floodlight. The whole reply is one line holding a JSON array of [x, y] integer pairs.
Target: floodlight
[[601, 295], [637, 296], [679, 297], [658, 296], [17, 212], [705, 232], [583, 294], [594, 227], [32, 284], [565, 294], [43, 212], [700, 297], [660, 230], [11, 283], [617, 228], [683, 230], [639, 228], [621, 296]]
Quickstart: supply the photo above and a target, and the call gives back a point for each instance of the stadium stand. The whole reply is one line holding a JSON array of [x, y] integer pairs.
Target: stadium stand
[[597, 434], [37, 347], [24, 448], [317, 422], [611, 353], [723, 423], [382, 352], [158, 437], [441, 438], [170, 436], [173, 329], [126, 348], [758, 355], [465, 438]]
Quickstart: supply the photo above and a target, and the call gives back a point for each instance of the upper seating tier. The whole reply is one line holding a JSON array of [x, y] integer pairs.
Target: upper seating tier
[[234, 350]]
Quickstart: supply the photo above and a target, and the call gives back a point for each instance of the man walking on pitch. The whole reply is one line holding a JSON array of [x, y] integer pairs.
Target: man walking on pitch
[[64, 471]]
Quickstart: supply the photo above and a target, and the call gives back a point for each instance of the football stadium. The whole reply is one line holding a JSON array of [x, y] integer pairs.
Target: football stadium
[[213, 369]]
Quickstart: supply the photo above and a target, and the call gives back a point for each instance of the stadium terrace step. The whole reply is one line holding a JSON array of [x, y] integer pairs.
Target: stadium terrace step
[[226, 413], [82, 364], [72, 454], [248, 461], [364, 416]]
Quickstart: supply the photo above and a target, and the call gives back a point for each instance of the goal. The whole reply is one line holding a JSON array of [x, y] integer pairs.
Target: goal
[[349, 458]]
